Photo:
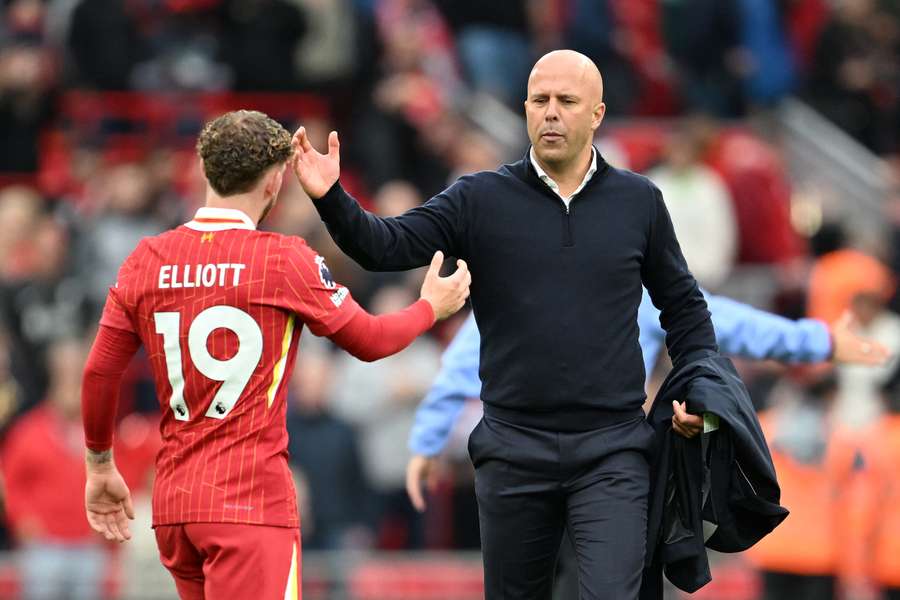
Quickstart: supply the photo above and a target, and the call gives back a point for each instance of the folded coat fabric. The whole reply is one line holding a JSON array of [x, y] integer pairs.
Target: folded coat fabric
[[718, 490]]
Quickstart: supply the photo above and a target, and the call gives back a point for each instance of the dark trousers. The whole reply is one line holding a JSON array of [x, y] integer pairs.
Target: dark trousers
[[788, 586], [532, 485], [565, 580]]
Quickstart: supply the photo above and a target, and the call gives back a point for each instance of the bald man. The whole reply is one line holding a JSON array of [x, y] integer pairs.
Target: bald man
[[558, 244]]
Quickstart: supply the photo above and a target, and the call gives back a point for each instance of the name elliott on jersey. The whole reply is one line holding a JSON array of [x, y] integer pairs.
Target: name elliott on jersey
[[190, 276]]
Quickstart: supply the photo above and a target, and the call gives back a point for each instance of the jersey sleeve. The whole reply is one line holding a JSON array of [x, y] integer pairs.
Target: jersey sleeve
[[120, 301], [311, 292]]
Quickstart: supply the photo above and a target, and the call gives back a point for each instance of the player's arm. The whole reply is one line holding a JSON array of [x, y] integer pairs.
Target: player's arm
[[369, 337], [746, 331], [329, 310], [106, 497], [376, 243], [456, 381]]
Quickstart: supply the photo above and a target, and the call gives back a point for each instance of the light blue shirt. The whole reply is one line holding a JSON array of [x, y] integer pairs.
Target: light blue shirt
[[741, 330]]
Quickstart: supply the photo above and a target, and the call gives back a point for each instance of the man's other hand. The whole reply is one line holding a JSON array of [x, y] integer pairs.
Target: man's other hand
[[315, 171], [848, 347], [446, 294], [685, 424], [419, 470]]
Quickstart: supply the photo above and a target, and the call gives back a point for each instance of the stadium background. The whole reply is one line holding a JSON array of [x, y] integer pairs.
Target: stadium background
[[772, 127]]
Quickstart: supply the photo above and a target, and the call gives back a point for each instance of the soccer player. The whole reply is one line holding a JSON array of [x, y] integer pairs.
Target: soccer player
[[219, 307]]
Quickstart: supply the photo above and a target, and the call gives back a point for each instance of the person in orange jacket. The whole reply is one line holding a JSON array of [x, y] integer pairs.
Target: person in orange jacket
[[877, 497], [804, 558]]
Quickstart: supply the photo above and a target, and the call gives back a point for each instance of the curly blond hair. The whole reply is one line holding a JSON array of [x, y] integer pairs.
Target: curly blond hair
[[238, 147]]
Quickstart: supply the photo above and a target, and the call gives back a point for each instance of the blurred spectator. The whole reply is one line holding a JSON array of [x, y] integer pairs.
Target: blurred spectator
[[391, 199], [879, 496], [43, 304], [703, 38], [20, 208], [328, 52], [858, 400], [638, 36], [380, 401], [325, 450], [26, 104], [848, 279], [768, 69], [757, 179], [590, 28], [493, 40], [181, 47], [123, 213], [259, 40], [802, 559], [839, 276], [805, 20], [473, 151], [395, 198], [402, 132], [43, 463], [104, 42], [700, 207], [855, 74]]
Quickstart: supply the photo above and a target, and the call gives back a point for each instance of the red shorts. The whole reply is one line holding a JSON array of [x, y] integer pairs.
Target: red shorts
[[213, 561]]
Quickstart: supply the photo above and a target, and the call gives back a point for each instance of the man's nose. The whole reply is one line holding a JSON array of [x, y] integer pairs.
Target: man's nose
[[552, 113]]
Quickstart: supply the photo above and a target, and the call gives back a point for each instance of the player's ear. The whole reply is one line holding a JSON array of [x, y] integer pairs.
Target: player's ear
[[273, 180], [279, 177]]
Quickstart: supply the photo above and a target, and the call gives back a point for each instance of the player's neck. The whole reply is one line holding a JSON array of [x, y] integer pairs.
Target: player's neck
[[249, 204]]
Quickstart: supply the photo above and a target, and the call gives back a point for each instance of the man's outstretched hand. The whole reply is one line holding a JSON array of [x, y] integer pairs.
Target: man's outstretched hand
[[315, 171], [849, 348]]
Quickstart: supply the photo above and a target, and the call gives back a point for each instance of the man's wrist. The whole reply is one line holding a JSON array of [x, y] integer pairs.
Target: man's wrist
[[99, 460], [329, 194]]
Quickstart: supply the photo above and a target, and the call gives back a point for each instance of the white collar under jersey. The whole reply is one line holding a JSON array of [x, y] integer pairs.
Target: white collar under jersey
[[220, 219], [553, 185]]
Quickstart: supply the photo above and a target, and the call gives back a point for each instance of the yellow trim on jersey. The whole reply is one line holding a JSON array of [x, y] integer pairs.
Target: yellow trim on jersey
[[291, 591], [278, 371]]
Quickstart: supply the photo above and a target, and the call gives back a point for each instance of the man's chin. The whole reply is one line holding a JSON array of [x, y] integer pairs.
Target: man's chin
[[552, 155]]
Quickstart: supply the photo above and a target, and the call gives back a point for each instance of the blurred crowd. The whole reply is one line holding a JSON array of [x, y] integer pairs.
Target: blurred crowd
[[100, 103]]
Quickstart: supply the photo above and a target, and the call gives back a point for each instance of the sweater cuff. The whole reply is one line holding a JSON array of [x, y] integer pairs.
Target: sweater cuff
[[329, 203]]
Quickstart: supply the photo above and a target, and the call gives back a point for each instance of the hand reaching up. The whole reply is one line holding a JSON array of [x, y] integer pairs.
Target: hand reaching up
[[315, 171]]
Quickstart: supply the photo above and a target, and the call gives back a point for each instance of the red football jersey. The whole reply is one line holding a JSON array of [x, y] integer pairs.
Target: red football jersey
[[219, 307]]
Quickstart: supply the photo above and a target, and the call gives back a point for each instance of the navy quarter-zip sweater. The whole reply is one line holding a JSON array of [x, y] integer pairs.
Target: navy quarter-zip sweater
[[555, 292]]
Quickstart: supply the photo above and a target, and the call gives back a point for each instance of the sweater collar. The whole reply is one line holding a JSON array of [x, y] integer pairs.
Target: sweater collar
[[525, 170], [551, 183]]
